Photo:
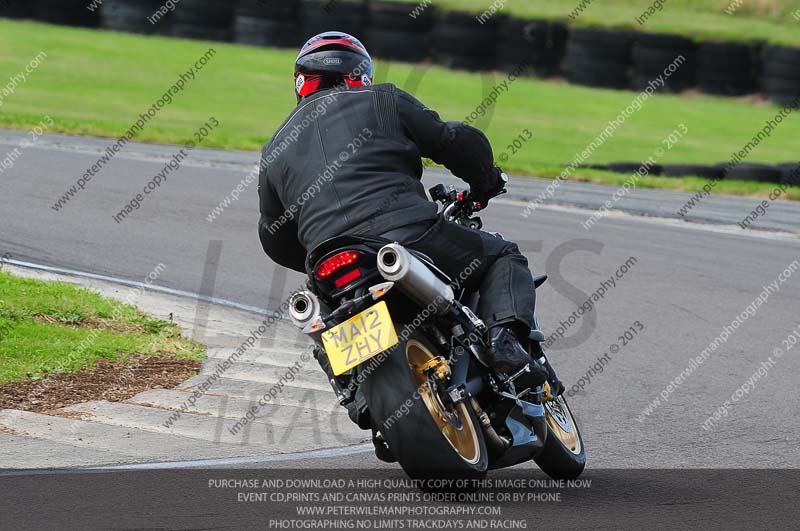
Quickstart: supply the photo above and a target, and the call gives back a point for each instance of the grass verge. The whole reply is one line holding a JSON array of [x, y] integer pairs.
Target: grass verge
[[52, 327], [98, 82]]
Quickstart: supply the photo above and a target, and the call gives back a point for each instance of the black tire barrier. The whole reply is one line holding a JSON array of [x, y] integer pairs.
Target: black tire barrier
[[747, 171], [781, 87], [603, 167], [269, 9], [790, 173], [780, 80], [257, 31], [318, 16], [728, 69], [69, 12], [18, 9], [696, 170], [261, 23], [397, 16], [203, 19], [787, 173], [635, 167], [653, 53], [133, 16], [616, 45], [460, 41], [782, 65], [393, 34], [599, 58], [538, 43], [205, 33], [398, 45]]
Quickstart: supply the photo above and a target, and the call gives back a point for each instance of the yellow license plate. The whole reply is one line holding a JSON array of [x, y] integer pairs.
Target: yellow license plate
[[358, 339]]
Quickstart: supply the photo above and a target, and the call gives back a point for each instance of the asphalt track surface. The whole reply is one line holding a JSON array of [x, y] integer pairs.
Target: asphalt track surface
[[687, 281]]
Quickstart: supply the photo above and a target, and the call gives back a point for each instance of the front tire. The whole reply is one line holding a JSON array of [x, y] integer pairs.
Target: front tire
[[428, 440], [564, 454]]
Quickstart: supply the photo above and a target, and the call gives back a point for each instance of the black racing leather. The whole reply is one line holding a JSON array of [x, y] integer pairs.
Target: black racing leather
[[349, 161]]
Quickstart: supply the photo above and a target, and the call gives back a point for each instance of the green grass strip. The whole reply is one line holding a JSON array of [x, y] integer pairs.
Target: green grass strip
[[56, 327]]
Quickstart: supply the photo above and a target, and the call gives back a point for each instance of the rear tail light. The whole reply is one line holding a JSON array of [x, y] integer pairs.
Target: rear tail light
[[347, 278], [336, 262]]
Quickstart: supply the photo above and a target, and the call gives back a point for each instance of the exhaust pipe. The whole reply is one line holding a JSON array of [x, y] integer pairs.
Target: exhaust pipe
[[497, 443], [414, 278], [303, 308]]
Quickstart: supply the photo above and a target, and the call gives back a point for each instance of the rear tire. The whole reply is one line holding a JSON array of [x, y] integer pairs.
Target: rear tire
[[425, 445], [564, 454]]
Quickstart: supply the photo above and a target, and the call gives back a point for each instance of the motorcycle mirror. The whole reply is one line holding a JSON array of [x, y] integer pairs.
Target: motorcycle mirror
[[437, 192]]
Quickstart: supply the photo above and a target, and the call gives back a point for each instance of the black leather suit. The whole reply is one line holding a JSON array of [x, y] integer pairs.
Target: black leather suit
[[349, 161]]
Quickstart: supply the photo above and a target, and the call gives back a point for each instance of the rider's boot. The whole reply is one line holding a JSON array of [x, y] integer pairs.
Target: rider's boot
[[556, 385], [509, 357]]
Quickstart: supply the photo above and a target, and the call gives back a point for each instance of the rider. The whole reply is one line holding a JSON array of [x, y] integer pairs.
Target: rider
[[347, 160]]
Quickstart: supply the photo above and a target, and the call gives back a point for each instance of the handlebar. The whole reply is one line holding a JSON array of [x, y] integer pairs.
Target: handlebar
[[459, 206]]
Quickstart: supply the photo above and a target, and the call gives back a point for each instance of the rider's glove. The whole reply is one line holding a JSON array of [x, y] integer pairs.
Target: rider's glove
[[482, 197]]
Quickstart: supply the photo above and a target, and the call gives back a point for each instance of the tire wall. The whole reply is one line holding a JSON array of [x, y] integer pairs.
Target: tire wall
[[417, 32], [787, 173]]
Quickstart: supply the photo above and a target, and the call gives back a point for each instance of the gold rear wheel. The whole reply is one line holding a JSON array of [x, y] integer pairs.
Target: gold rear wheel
[[455, 423]]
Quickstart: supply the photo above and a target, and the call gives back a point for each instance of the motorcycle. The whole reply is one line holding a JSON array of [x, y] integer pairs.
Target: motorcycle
[[406, 354]]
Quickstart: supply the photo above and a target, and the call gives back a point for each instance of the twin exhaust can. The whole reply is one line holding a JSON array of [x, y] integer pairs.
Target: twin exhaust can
[[414, 278]]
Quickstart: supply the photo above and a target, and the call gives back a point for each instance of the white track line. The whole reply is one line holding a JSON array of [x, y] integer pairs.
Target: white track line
[[237, 461], [230, 462], [140, 285]]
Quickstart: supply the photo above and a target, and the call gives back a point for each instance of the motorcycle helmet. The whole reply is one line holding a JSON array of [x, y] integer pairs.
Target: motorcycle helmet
[[330, 59]]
